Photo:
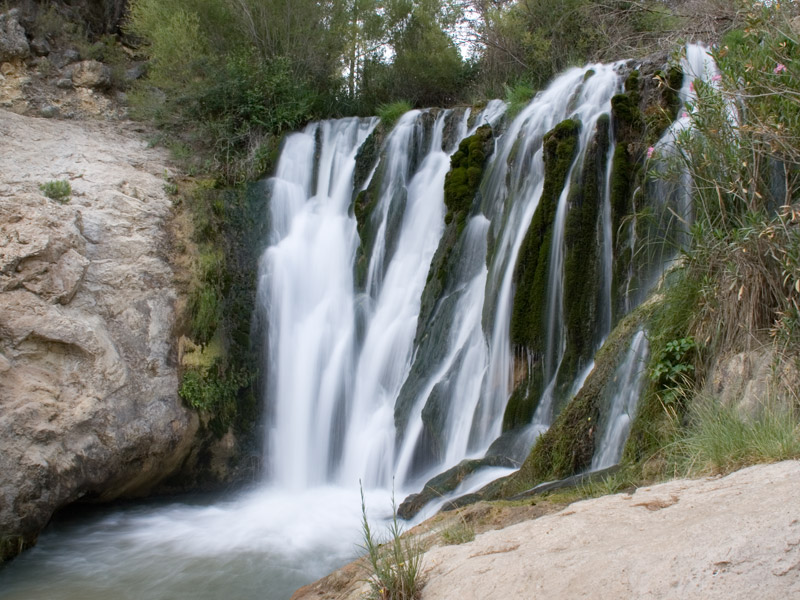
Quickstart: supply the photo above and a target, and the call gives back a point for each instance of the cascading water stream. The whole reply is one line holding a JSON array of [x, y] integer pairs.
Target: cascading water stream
[[594, 101], [385, 357], [628, 383], [306, 294]]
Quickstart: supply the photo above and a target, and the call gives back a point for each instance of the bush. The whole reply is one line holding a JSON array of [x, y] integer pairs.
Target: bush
[[741, 153], [60, 190]]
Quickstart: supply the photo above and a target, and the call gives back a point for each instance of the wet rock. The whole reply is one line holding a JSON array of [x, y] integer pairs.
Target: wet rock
[[13, 43], [91, 74], [446, 482]]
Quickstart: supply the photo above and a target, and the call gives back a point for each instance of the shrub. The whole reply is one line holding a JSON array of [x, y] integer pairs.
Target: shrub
[[60, 190], [741, 154]]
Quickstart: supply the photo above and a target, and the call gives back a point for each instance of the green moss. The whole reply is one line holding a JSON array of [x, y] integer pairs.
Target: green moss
[[581, 259], [532, 268], [628, 120], [671, 319], [524, 399], [464, 177], [231, 228], [568, 446]]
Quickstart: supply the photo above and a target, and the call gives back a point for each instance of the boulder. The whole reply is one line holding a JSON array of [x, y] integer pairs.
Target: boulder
[[89, 408], [40, 46], [13, 43], [91, 74]]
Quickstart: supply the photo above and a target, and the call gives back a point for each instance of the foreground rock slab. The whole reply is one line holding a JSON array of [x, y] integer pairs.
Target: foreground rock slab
[[88, 381], [734, 537]]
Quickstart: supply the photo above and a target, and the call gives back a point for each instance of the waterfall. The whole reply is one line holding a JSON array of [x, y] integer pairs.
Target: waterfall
[[628, 380], [358, 386], [306, 294], [333, 392]]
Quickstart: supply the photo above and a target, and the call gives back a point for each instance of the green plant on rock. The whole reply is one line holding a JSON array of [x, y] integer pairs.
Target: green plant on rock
[[59, 190], [215, 391], [464, 177], [395, 566], [390, 113], [674, 371], [517, 97]]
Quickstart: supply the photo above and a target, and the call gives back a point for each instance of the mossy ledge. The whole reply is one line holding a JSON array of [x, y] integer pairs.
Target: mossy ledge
[[569, 445], [531, 272], [581, 258]]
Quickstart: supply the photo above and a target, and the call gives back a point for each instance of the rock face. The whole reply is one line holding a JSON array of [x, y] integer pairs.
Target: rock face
[[13, 42], [88, 383]]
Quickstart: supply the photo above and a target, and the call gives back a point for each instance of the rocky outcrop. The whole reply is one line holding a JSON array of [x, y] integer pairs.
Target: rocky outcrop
[[45, 75], [13, 42], [88, 383]]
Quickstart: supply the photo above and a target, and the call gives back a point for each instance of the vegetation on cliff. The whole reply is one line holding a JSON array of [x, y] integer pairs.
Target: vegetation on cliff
[[733, 294]]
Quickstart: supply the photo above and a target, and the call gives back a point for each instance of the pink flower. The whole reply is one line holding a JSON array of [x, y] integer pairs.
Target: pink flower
[[717, 77], [780, 68], [650, 152], [691, 86], [684, 114]]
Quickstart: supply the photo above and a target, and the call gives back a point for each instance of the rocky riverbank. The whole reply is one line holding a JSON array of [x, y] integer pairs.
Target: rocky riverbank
[[734, 537]]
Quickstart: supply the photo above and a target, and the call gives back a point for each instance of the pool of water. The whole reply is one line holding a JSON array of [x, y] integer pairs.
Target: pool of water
[[259, 544]]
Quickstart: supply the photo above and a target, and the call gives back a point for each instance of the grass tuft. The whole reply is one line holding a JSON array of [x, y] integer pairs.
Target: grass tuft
[[390, 113], [59, 190], [720, 439], [518, 97], [459, 532], [396, 564]]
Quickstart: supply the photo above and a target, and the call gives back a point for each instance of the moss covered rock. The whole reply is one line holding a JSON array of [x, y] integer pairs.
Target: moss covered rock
[[569, 445], [582, 270], [531, 273]]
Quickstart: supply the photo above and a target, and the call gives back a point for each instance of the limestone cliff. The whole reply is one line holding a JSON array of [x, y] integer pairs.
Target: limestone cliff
[[88, 378]]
